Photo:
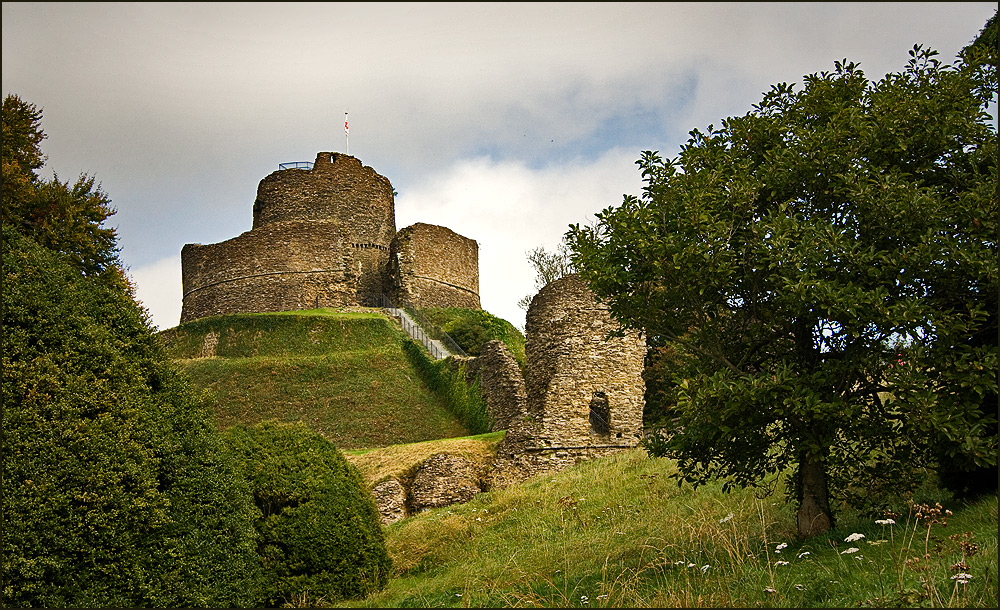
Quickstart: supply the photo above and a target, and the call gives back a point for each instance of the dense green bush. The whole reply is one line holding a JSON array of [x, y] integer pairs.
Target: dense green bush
[[321, 538], [116, 489]]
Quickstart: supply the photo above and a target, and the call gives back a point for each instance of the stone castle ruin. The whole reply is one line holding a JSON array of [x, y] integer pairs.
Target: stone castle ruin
[[580, 397], [583, 385], [326, 237]]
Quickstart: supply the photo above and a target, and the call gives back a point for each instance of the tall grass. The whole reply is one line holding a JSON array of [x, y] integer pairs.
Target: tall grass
[[619, 532], [447, 380]]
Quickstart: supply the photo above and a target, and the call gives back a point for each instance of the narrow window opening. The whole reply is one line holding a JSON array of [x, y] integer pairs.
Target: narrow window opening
[[600, 414]]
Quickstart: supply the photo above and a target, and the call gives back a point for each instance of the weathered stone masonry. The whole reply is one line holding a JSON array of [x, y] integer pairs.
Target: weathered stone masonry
[[584, 387], [322, 238], [433, 266]]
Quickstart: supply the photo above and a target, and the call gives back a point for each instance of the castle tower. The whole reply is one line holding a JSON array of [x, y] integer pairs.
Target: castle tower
[[584, 387], [433, 266], [320, 238]]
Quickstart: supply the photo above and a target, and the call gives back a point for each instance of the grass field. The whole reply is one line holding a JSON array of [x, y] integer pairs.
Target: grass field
[[612, 532]]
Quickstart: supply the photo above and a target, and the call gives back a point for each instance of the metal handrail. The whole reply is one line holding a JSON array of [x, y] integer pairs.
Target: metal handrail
[[414, 323], [296, 165], [436, 332]]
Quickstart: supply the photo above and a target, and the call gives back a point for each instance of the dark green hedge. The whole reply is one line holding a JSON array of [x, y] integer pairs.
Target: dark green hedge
[[321, 537], [116, 489]]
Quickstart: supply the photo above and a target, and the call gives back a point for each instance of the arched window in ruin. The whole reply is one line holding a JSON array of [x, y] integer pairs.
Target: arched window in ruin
[[600, 414]]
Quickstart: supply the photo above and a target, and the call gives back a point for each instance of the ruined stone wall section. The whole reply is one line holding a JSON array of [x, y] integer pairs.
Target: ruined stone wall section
[[432, 266], [500, 383], [584, 387], [574, 369]]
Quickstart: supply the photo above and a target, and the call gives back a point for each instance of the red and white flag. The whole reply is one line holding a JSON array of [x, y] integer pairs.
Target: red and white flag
[[345, 124]]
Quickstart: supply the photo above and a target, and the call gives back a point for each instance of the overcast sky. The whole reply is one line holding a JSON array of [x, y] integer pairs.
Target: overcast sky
[[504, 122]]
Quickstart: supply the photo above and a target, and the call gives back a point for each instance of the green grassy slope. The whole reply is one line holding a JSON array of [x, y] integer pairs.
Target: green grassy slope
[[470, 328], [619, 532], [344, 374]]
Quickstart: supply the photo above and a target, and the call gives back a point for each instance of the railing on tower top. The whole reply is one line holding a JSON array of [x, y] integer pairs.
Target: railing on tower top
[[437, 342], [296, 165]]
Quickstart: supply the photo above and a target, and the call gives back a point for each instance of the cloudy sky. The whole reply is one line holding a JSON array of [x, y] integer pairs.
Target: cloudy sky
[[504, 122]]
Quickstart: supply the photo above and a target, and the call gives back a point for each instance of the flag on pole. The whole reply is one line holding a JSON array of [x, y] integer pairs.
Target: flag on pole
[[347, 136], [345, 124]]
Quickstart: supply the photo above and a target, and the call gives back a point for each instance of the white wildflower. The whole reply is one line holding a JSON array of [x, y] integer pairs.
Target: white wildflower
[[803, 554], [853, 549], [769, 590], [479, 518], [778, 548], [584, 599], [726, 518], [962, 578], [781, 563], [885, 522], [705, 568], [800, 587], [458, 595], [691, 565], [854, 537]]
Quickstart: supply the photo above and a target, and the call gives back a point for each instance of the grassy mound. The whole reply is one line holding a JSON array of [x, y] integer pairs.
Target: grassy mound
[[344, 374]]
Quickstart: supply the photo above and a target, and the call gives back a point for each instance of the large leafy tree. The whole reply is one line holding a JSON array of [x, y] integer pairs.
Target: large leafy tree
[[824, 269]]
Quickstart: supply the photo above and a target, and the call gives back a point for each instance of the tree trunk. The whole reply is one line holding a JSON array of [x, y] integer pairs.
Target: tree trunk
[[814, 515]]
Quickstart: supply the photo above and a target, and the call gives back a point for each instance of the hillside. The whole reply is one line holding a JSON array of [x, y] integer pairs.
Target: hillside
[[619, 532], [344, 373]]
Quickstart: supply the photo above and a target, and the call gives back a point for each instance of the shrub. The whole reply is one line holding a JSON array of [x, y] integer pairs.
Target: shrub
[[320, 534], [471, 328], [116, 489]]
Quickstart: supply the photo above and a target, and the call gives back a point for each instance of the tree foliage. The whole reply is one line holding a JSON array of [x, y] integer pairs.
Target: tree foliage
[[549, 267], [117, 491], [60, 216], [825, 269], [320, 533]]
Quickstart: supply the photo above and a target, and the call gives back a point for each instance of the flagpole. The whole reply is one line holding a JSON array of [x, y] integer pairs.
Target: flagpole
[[347, 139]]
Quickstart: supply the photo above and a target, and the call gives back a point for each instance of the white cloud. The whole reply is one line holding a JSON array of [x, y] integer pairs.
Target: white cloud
[[158, 289], [509, 209]]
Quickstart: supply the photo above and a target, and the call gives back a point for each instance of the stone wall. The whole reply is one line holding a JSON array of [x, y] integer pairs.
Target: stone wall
[[584, 387], [278, 267], [322, 238], [500, 383], [432, 266], [338, 187]]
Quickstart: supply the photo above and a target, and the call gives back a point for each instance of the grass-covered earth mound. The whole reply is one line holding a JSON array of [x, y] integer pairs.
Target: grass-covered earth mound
[[344, 374]]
